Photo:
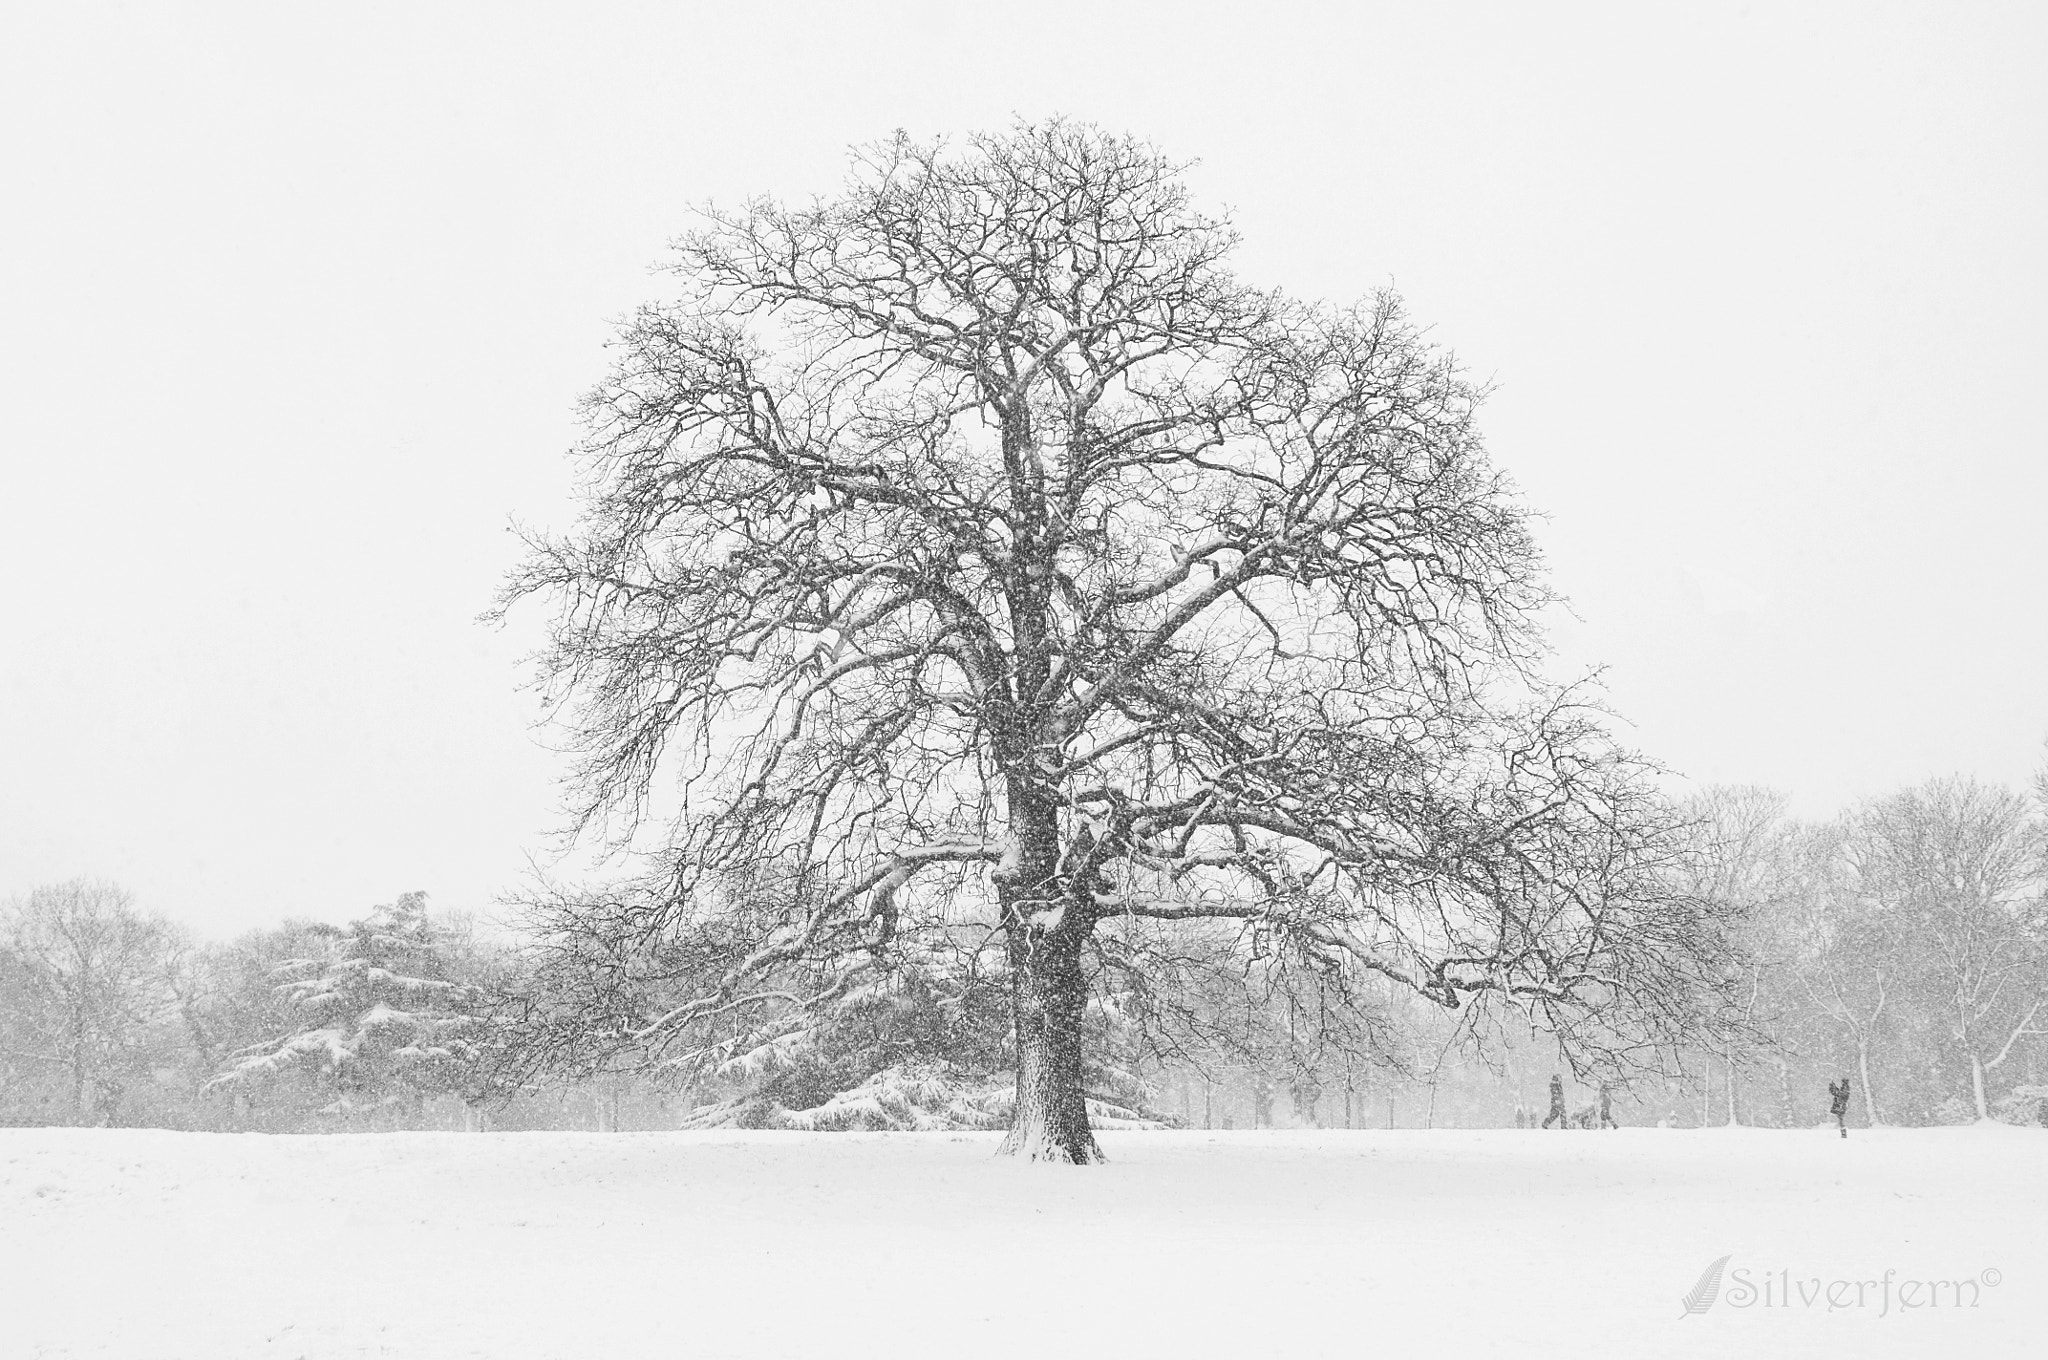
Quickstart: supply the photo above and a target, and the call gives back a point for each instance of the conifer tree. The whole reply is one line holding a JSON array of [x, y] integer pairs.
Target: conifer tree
[[383, 1020]]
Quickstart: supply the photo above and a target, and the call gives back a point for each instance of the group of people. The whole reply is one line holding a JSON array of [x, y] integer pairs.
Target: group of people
[[1562, 1118], [1838, 1106]]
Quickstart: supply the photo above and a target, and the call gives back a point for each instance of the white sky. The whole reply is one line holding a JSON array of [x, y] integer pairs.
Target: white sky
[[295, 303]]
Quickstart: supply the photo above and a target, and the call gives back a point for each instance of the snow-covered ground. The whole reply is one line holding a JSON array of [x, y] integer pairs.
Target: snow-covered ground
[[140, 1245]]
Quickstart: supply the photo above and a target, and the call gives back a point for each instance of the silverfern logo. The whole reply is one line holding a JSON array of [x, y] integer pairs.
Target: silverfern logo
[[1701, 1296], [1885, 1294]]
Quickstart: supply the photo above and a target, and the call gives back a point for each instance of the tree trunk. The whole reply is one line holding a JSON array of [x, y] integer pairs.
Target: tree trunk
[[1869, 1096], [1048, 1000], [1044, 927], [1977, 1086], [77, 1072]]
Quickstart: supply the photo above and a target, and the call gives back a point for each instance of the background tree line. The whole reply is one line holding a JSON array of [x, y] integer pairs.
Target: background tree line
[[1903, 943]]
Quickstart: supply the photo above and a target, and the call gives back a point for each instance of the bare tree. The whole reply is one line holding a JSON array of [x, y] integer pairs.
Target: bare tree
[[90, 987], [1954, 863], [1743, 840], [1850, 957], [973, 550]]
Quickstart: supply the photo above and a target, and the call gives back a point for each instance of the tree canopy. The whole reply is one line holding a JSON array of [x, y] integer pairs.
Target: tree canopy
[[974, 552], [380, 1018]]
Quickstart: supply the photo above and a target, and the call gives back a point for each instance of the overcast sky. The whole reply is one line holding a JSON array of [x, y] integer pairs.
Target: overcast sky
[[295, 303]]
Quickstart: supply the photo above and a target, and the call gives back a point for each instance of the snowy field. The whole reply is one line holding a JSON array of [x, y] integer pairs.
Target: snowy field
[[139, 1244]]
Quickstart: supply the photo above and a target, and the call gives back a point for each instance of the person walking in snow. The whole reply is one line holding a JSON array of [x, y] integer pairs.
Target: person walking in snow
[[1838, 1104], [1557, 1104], [1607, 1108]]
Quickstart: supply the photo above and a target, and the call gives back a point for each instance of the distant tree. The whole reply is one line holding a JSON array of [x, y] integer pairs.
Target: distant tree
[[1744, 847], [1953, 867], [1853, 961], [975, 547], [84, 997], [230, 1003], [1207, 1012], [380, 1018]]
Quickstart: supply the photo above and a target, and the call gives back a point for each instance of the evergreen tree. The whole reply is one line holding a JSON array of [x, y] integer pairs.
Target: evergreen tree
[[382, 1019]]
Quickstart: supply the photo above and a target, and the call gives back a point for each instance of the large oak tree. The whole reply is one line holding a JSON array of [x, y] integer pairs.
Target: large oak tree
[[975, 549]]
